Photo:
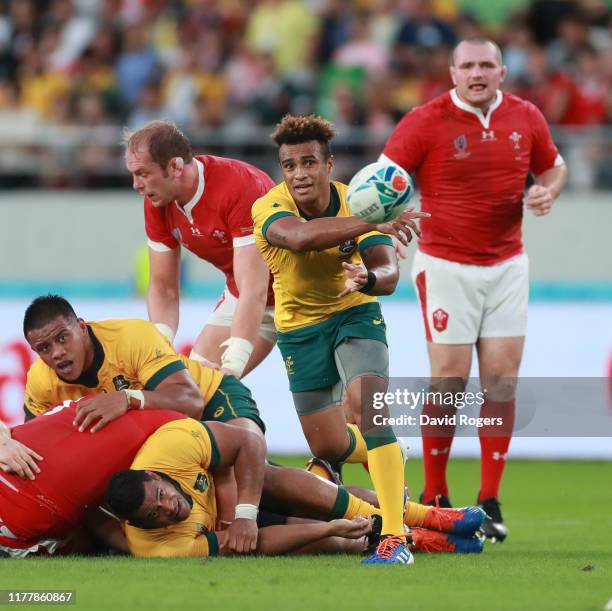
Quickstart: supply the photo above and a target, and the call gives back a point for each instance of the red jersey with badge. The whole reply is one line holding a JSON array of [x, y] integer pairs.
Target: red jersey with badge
[[217, 219], [74, 473], [471, 170]]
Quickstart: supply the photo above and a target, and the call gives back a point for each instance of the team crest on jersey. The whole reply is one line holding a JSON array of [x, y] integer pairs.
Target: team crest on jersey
[[440, 320], [120, 383], [460, 143], [177, 235], [201, 483], [219, 235], [516, 140], [348, 247]]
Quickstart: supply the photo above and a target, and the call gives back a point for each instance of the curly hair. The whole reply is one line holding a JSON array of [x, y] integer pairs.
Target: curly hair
[[295, 129]]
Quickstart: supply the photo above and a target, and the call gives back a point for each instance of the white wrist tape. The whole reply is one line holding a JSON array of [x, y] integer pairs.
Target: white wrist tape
[[246, 511], [237, 353], [136, 399], [167, 330]]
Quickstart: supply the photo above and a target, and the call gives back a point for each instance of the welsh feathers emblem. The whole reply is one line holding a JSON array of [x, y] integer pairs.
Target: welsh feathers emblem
[[440, 320]]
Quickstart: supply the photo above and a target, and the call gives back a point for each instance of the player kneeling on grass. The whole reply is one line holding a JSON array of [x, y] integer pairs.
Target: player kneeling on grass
[[169, 500]]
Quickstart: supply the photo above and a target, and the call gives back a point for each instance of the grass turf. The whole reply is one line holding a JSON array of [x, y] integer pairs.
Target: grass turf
[[558, 556]]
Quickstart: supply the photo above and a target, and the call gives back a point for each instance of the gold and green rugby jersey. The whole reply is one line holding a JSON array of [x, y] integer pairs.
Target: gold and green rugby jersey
[[128, 353], [306, 284], [183, 452]]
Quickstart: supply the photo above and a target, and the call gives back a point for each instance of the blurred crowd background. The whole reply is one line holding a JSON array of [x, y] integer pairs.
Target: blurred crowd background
[[74, 72]]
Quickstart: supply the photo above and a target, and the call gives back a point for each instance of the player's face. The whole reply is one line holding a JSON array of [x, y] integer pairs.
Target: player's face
[[64, 345], [477, 73], [149, 178], [306, 172], [162, 506]]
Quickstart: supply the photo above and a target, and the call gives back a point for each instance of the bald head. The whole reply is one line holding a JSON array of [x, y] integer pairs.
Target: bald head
[[474, 42]]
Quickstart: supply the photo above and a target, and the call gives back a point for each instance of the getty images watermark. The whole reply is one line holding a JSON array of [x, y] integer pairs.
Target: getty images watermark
[[528, 407], [406, 399]]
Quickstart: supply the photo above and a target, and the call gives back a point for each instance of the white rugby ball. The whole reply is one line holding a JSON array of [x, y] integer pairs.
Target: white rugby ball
[[379, 192]]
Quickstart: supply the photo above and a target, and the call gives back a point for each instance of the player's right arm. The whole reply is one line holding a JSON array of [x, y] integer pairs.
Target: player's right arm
[[322, 233], [15, 457], [164, 290], [148, 358], [246, 452]]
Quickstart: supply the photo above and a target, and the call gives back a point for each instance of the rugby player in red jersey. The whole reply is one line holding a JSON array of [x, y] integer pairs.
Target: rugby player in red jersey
[[471, 151], [204, 204], [42, 514]]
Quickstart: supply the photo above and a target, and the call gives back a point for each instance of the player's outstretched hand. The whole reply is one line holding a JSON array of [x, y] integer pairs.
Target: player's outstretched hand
[[356, 278], [104, 408], [403, 225], [351, 529], [19, 459], [539, 200], [241, 536]]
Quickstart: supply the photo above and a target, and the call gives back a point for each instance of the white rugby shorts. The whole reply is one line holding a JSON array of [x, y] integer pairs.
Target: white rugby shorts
[[461, 302], [223, 316]]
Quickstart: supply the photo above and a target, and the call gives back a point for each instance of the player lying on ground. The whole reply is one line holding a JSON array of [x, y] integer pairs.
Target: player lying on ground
[[43, 514], [122, 364], [168, 499]]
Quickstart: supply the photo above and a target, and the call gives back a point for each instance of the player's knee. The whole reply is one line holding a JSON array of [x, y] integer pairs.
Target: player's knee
[[499, 387], [448, 384]]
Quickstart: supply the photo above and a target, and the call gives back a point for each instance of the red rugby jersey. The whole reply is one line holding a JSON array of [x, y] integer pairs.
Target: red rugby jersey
[[217, 218], [77, 466], [471, 170]]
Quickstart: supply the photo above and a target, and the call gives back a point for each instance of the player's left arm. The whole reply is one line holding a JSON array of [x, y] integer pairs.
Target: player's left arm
[[252, 278], [545, 190], [380, 275], [246, 452]]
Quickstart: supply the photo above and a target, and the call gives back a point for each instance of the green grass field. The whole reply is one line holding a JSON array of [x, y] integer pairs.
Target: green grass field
[[558, 556]]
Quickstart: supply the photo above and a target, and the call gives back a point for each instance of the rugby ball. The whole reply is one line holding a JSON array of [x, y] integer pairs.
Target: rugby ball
[[379, 192]]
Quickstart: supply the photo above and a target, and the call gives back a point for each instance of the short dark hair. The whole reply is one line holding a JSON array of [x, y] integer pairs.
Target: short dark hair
[[125, 493], [44, 309], [163, 139], [295, 129], [475, 40]]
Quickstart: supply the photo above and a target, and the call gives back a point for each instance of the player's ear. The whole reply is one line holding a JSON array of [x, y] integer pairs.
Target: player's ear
[[83, 326], [177, 164], [452, 75], [503, 74], [330, 162]]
